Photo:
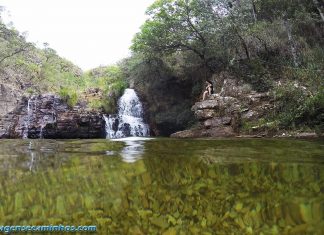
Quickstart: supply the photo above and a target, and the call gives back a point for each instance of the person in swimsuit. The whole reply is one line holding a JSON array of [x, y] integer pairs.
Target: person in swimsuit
[[209, 89]]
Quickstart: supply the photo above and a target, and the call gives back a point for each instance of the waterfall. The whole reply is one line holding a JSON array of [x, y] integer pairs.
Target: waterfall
[[41, 110], [27, 122], [129, 120], [110, 133], [41, 131]]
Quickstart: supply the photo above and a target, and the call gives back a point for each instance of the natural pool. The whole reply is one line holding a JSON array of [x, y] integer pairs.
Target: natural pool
[[165, 186]]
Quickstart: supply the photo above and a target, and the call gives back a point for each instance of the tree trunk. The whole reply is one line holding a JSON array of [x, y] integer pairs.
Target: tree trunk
[[291, 42], [254, 11], [263, 42], [319, 9], [246, 49]]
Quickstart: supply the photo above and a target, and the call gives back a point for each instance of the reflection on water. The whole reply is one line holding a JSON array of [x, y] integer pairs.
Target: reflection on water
[[171, 187], [32, 163], [133, 149]]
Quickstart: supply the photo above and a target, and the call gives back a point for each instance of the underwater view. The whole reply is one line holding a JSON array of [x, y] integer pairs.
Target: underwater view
[[165, 186]]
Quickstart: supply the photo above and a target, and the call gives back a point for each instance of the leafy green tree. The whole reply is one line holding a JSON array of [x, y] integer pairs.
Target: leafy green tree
[[12, 43], [219, 32], [178, 26]]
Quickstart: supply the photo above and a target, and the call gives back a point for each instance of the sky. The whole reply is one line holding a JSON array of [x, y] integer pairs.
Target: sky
[[89, 33]]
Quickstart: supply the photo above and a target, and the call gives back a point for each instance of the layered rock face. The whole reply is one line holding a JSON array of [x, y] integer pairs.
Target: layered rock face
[[222, 115], [219, 116], [48, 116]]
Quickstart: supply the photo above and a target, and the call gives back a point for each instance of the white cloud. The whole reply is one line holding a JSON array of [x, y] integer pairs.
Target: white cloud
[[89, 33]]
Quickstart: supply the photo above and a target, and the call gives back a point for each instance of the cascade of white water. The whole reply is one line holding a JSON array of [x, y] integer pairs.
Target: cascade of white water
[[110, 133], [41, 131], [38, 115], [129, 121], [27, 122]]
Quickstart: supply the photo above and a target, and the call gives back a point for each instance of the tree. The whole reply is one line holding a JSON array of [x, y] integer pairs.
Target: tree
[[11, 43], [180, 25], [213, 30], [219, 32]]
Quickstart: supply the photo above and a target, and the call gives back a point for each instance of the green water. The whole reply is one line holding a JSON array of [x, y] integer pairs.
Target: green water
[[165, 186]]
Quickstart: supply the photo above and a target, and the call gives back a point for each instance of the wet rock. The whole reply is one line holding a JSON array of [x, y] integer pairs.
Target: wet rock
[[126, 129], [223, 131], [115, 125], [187, 134], [305, 135], [48, 116]]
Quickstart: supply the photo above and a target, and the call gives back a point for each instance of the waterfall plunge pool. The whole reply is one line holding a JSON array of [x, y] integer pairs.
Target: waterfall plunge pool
[[170, 186]]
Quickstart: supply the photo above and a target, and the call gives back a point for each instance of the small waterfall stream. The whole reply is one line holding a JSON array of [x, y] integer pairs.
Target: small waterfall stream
[[129, 120], [35, 120], [27, 122]]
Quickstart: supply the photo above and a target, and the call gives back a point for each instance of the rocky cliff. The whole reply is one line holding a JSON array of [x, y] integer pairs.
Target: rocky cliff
[[223, 114], [48, 116], [9, 98]]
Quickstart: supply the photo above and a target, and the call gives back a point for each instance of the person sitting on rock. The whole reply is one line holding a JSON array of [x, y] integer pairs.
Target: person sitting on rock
[[209, 89]]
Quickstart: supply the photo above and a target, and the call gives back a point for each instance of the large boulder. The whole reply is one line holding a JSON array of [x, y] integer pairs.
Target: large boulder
[[219, 116], [217, 121], [215, 102], [222, 115]]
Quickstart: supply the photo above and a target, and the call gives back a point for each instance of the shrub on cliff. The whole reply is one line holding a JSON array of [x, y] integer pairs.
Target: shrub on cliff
[[111, 81], [69, 96], [313, 112], [296, 107]]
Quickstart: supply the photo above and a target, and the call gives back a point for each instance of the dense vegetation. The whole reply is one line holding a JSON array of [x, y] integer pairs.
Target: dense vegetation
[[184, 42]]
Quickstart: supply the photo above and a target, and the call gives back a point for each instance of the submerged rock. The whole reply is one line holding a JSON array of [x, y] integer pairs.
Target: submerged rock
[[221, 131], [187, 134]]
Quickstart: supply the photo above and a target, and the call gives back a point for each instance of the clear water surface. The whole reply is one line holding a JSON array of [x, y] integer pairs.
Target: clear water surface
[[165, 186]]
